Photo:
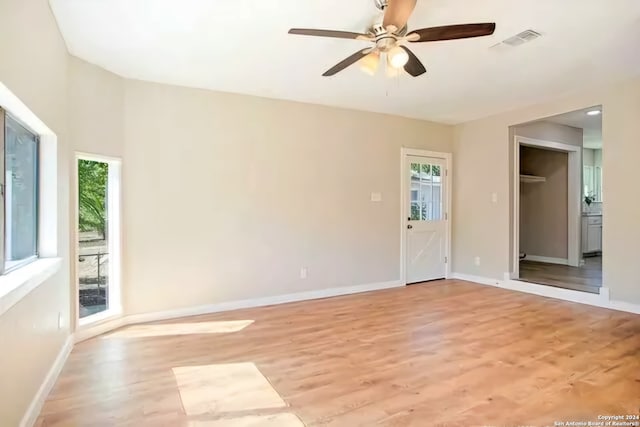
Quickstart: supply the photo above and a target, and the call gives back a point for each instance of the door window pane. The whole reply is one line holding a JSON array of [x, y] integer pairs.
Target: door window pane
[[415, 172], [21, 194], [426, 201], [93, 258], [426, 192], [415, 211]]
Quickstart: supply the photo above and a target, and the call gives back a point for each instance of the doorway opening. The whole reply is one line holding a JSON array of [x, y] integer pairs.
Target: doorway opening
[[558, 201], [426, 206], [98, 238]]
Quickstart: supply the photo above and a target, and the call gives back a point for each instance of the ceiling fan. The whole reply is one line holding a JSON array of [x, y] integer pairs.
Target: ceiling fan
[[389, 36]]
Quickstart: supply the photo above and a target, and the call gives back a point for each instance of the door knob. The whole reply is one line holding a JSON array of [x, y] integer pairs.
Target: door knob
[[409, 226]]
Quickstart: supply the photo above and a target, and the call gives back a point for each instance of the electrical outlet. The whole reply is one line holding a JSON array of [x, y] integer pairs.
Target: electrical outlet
[[494, 197], [303, 272], [476, 261]]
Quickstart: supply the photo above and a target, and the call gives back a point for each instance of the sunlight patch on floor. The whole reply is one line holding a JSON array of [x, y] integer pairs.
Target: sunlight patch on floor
[[277, 420], [167, 329], [233, 387]]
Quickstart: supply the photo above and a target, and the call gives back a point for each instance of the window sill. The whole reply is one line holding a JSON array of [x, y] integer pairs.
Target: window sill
[[17, 284]]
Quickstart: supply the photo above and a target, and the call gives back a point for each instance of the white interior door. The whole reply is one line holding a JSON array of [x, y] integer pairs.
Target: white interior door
[[426, 227]]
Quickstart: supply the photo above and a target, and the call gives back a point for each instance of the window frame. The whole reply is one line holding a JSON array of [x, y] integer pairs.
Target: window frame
[[19, 283], [3, 209]]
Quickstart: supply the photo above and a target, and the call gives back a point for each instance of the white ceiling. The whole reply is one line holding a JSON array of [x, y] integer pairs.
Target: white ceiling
[[242, 46], [591, 125]]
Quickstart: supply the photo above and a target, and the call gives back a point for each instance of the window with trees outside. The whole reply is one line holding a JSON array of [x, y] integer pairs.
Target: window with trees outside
[[19, 150], [98, 267]]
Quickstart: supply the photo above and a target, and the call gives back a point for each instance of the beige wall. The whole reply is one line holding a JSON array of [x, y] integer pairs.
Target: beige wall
[[266, 187], [96, 105], [543, 206], [96, 102], [33, 65], [228, 196], [482, 149]]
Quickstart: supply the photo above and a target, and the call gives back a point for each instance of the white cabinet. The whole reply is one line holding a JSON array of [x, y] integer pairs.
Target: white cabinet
[[592, 234]]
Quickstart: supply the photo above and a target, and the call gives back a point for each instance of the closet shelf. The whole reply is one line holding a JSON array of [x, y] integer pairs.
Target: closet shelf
[[532, 179]]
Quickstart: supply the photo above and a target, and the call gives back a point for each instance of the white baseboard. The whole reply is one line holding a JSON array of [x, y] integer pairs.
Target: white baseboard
[[546, 259], [259, 302], [93, 330], [624, 306], [30, 417], [476, 279], [555, 292], [599, 300], [107, 325]]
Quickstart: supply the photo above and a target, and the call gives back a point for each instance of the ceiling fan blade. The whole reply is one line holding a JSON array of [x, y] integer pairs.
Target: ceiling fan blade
[[347, 62], [397, 13], [413, 66], [330, 33], [451, 32]]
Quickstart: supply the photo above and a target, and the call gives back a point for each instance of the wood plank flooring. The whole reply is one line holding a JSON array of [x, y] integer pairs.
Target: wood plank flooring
[[587, 278], [444, 353]]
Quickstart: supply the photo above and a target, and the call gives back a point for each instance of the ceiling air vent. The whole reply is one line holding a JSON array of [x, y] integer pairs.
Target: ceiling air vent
[[518, 39]]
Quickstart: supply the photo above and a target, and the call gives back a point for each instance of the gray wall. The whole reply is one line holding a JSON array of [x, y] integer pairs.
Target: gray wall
[[544, 206]]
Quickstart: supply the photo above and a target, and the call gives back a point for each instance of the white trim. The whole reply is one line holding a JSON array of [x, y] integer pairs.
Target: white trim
[[598, 300], [96, 157], [448, 181], [31, 415], [35, 407], [546, 259], [476, 279], [99, 317], [555, 292], [107, 325], [551, 145], [260, 302], [624, 306], [19, 283], [574, 192], [99, 327], [47, 172]]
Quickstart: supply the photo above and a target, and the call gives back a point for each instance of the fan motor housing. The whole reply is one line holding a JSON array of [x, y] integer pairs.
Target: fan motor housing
[[384, 39], [381, 4]]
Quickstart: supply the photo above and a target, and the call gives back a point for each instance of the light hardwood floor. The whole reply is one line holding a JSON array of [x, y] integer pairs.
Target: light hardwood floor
[[444, 353], [587, 278]]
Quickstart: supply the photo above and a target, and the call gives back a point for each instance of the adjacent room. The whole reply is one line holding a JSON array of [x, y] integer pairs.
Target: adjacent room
[[320, 213], [560, 200]]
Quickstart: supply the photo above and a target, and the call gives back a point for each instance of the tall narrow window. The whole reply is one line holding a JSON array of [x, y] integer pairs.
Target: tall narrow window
[[98, 237], [19, 189]]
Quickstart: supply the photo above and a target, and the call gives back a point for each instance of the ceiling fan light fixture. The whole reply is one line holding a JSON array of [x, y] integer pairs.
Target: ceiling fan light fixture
[[369, 64], [397, 57], [392, 72]]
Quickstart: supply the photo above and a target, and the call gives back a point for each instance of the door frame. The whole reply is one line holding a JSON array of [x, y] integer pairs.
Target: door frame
[[114, 212], [574, 202], [404, 213]]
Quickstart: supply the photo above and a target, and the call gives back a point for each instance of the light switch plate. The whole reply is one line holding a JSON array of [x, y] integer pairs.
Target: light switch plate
[[376, 197]]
